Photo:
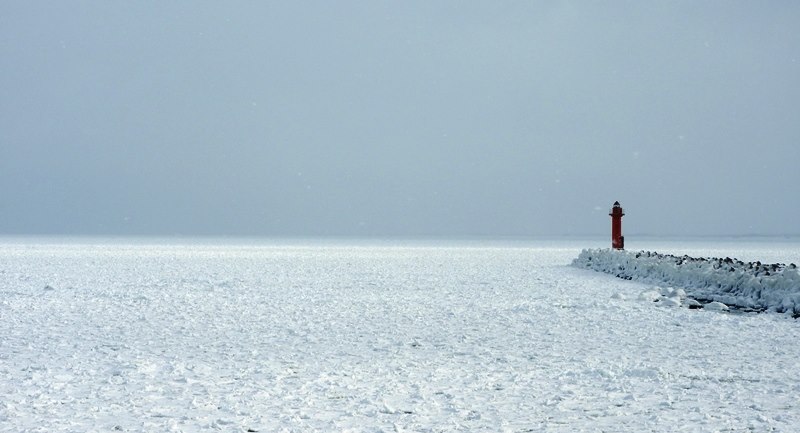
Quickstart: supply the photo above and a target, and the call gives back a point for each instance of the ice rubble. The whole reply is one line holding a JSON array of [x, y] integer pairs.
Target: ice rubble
[[751, 285]]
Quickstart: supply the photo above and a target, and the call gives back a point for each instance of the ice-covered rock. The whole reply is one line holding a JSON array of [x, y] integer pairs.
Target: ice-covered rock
[[716, 306], [692, 303], [756, 285], [669, 302], [664, 297], [649, 296]]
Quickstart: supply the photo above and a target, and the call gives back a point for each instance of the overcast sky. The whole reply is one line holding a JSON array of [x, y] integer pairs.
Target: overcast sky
[[385, 118]]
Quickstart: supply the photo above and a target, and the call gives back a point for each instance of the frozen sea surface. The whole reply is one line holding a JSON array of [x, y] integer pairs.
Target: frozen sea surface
[[334, 336]]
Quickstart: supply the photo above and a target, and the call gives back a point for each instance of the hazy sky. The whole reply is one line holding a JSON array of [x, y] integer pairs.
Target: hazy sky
[[373, 118]]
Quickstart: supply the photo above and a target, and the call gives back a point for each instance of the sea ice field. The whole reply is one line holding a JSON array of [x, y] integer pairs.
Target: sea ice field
[[145, 335]]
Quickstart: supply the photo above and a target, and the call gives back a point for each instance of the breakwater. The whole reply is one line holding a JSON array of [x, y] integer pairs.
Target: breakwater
[[751, 285]]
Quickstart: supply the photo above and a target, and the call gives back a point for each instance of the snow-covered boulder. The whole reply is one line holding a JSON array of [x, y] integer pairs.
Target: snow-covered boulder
[[773, 287], [669, 302], [716, 306]]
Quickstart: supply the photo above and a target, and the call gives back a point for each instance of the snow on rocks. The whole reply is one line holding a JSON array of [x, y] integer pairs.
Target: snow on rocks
[[666, 297], [669, 302], [716, 306], [752, 285], [650, 296]]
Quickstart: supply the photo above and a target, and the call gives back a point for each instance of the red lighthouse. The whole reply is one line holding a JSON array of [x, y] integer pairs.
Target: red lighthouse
[[617, 240]]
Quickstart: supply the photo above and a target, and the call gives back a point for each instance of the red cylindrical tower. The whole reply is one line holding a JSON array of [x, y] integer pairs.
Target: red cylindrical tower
[[617, 240]]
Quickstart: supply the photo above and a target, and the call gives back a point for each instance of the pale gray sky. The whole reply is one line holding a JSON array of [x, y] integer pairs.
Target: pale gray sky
[[373, 118]]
